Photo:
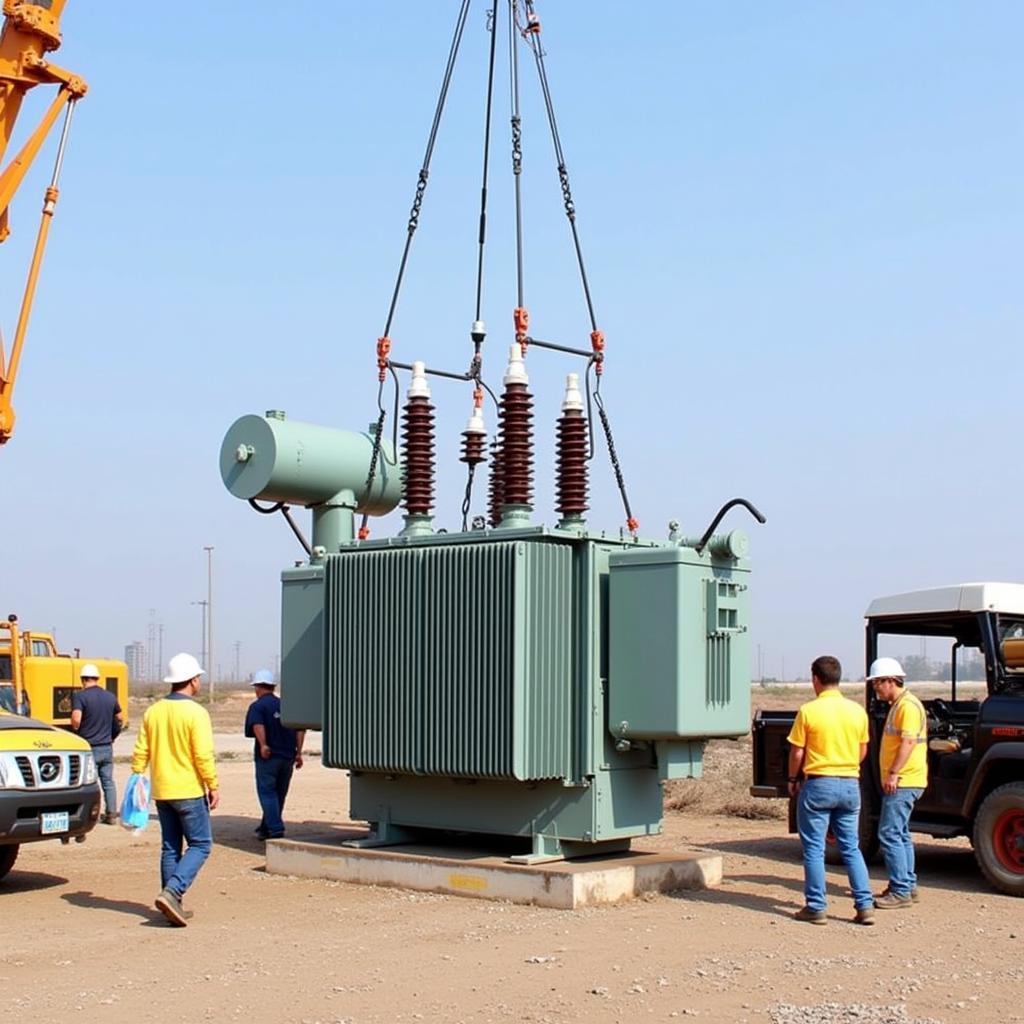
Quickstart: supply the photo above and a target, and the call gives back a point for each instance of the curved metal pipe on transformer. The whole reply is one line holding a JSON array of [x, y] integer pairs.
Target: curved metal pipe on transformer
[[703, 542]]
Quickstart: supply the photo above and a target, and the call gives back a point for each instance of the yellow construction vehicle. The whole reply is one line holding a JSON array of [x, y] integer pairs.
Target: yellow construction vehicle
[[30, 31], [36, 679]]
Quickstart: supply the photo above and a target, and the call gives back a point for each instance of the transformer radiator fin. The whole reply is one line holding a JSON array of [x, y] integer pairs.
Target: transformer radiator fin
[[452, 661]]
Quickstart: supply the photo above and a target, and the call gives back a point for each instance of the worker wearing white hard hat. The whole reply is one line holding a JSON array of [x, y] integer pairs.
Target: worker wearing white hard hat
[[277, 752], [903, 766], [97, 717], [176, 743]]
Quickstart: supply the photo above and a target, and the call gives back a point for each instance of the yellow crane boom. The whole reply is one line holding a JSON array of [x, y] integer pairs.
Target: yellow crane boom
[[30, 31]]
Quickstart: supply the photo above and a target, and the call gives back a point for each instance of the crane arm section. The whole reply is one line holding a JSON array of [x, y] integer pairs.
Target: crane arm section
[[30, 31]]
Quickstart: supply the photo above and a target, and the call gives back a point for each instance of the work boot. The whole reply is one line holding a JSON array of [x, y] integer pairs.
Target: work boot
[[111, 818], [890, 901], [864, 915], [915, 896], [811, 916], [169, 904]]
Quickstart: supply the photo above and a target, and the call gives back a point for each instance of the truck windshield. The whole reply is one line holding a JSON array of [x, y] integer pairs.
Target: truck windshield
[[7, 701], [929, 659], [5, 668]]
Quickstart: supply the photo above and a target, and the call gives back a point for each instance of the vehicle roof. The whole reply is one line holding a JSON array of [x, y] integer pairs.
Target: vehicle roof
[[957, 597]]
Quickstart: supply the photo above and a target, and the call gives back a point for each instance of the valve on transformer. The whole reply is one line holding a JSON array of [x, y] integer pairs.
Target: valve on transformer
[[572, 456], [418, 439], [516, 445]]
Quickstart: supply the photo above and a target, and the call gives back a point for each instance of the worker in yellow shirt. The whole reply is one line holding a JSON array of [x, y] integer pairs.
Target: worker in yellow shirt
[[827, 743], [176, 742], [903, 763]]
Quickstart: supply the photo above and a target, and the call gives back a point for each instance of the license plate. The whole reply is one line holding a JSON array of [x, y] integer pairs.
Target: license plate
[[53, 822]]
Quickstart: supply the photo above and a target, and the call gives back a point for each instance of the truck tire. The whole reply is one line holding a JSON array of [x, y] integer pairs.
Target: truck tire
[[999, 838], [8, 855]]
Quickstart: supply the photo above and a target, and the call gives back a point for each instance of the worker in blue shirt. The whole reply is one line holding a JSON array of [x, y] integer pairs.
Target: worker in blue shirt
[[277, 751], [97, 717]]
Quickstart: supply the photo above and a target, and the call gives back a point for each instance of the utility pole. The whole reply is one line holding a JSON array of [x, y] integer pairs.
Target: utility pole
[[238, 654], [152, 668], [208, 548], [202, 647]]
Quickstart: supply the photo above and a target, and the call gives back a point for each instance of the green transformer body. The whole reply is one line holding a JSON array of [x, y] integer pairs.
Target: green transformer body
[[525, 682]]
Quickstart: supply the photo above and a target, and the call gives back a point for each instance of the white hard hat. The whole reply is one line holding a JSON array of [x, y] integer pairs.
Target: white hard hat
[[181, 668], [89, 671], [886, 668], [264, 677]]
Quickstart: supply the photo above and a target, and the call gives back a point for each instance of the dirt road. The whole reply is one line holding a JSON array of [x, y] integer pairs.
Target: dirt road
[[81, 940]]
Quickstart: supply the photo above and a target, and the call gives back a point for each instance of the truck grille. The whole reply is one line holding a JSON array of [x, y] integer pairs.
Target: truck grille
[[49, 771], [25, 767]]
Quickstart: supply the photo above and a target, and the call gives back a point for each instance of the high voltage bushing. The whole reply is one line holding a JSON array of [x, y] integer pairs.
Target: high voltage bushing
[[474, 437], [572, 454], [495, 485], [418, 438], [516, 416]]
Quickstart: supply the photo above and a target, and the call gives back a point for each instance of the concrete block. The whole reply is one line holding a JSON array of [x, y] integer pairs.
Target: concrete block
[[564, 885]]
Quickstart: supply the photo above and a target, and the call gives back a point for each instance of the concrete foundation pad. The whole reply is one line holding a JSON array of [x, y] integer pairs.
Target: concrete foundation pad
[[563, 885]]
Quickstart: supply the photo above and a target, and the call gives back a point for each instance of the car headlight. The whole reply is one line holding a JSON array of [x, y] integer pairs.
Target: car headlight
[[88, 769]]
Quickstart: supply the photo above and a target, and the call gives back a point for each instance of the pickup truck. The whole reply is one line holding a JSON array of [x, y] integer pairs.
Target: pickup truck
[[975, 746], [48, 786]]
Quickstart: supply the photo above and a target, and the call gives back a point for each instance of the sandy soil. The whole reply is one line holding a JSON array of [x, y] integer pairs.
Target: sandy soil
[[81, 939]]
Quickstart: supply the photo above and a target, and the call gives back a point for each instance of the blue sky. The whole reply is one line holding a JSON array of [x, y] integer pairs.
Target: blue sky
[[802, 225]]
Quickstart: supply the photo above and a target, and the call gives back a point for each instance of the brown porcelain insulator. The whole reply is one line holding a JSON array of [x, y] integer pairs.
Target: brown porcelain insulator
[[495, 486], [418, 438], [571, 464], [473, 443], [516, 430]]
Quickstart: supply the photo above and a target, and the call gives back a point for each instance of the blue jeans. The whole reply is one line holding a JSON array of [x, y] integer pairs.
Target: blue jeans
[[828, 802], [104, 756], [183, 821], [273, 777], [894, 839]]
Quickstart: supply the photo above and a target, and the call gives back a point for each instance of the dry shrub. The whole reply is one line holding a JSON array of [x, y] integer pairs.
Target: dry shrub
[[724, 788]]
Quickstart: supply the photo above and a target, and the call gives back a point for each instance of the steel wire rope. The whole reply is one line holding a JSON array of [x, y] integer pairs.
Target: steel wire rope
[[476, 365], [493, 22], [563, 173], [413, 223], [517, 145], [531, 32]]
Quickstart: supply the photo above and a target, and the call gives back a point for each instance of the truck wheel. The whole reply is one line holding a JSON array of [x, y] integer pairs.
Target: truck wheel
[[8, 855], [999, 838]]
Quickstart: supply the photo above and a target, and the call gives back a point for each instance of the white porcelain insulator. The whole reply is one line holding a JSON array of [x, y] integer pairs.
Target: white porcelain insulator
[[516, 372], [419, 388], [573, 401]]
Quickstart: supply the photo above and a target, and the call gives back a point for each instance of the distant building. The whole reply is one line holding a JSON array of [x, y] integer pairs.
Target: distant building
[[135, 659]]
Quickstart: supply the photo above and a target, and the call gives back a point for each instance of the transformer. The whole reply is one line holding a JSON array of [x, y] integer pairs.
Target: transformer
[[518, 680]]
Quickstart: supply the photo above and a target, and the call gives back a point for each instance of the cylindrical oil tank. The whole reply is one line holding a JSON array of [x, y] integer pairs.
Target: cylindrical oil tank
[[273, 458]]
